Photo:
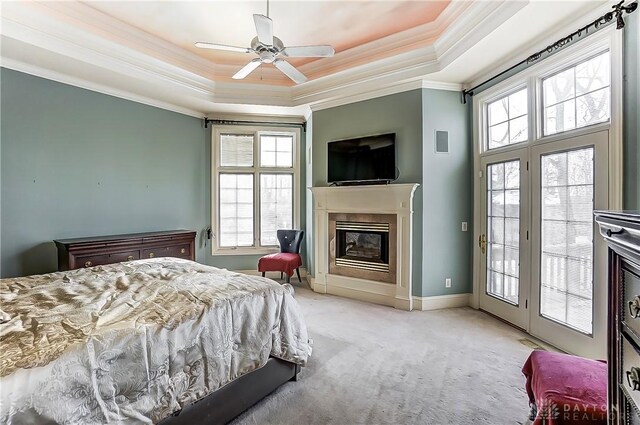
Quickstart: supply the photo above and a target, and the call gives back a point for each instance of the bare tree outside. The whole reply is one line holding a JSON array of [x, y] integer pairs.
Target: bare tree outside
[[578, 96]]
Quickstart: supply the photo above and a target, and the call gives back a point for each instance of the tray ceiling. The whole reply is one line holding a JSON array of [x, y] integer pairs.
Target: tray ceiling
[[144, 50], [344, 24]]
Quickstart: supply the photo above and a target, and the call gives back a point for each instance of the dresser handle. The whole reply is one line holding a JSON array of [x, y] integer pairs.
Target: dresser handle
[[633, 378], [88, 264], [610, 232], [634, 307], [151, 255], [182, 251], [130, 258]]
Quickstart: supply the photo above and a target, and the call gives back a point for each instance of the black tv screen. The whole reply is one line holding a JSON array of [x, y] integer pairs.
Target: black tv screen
[[363, 159]]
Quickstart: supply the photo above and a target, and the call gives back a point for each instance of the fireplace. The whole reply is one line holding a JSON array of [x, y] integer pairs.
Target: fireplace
[[362, 239], [363, 246]]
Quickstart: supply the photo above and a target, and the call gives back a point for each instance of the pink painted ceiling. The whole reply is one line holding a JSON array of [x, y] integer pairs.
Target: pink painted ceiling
[[342, 24]]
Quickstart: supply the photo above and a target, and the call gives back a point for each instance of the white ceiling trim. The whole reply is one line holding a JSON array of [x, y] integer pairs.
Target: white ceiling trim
[[538, 43], [77, 31], [89, 85]]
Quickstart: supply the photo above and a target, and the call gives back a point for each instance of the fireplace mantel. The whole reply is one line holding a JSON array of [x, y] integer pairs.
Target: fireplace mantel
[[395, 199]]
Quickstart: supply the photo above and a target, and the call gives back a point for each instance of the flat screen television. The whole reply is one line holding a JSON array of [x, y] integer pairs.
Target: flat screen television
[[369, 159]]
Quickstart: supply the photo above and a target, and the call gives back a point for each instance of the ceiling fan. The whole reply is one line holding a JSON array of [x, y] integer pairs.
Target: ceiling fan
[[270, 49]]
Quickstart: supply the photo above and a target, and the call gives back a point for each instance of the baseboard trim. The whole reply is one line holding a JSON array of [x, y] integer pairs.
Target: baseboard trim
[[441, 301]]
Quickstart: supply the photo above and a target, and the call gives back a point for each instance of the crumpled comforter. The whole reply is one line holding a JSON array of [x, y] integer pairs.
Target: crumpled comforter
[[134, 342]]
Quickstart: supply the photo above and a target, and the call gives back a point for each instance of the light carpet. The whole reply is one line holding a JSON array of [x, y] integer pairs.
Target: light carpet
[[377, 365]]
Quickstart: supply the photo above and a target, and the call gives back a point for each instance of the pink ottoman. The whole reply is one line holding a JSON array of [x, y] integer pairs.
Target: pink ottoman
[[566, 389]]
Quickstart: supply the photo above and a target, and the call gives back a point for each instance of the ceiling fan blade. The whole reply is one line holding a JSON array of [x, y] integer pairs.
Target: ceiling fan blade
[[308, 51], [264, 28], [290, 71], [247, 69], [214, 46]]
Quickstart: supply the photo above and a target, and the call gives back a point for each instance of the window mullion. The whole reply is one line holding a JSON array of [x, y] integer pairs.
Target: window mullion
[[257, 191]]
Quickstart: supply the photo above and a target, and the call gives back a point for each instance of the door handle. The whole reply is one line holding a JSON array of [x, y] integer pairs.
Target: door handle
[[482, 243]]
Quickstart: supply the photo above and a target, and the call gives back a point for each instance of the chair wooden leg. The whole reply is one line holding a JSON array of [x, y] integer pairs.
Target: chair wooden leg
[[288, 278], [280, 275], [298, 273]]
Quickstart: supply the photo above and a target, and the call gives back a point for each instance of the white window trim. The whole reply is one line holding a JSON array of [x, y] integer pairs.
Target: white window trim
[[257, 130], [606, 39]]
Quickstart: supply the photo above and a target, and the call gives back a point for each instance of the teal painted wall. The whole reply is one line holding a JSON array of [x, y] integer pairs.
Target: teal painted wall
[[448, 196], [632, 112], [398, 113], [78, 163]]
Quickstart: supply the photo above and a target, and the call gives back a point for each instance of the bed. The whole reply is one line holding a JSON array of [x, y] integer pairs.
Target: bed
[[149, 341]]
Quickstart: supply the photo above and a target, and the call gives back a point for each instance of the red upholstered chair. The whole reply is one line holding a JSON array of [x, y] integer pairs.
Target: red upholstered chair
[[288, 259]]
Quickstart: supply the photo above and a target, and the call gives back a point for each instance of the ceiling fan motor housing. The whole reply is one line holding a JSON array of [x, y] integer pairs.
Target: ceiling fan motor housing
[[267, 53]]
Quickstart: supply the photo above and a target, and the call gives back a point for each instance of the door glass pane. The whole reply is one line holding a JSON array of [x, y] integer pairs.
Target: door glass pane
[[236, 210], [503, 231], [276, 206], [566, 282]]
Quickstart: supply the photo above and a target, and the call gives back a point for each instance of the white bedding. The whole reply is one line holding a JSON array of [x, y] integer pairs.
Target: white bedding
[[134, 342]]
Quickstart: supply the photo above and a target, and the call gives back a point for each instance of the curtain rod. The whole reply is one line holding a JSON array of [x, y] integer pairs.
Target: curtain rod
[[208, 121], [605, 19]]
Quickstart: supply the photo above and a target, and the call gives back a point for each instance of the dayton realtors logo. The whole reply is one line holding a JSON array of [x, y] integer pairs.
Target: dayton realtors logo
[[550, 412]]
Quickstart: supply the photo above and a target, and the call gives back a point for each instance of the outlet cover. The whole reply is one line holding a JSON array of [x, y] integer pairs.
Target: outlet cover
[[447, 282], [464, 226]]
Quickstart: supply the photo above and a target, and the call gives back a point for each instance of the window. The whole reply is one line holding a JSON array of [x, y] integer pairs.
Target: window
[[508, 121], [578, 96], [254, 188]]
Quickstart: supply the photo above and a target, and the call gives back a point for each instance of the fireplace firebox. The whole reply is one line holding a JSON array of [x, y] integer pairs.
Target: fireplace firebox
[[362, 245]]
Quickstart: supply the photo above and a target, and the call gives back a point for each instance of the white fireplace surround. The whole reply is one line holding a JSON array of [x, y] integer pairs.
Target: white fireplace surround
[[396, 199]]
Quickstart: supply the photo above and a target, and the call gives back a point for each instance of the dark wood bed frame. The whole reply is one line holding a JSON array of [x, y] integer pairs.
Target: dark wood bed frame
[[221, 406]]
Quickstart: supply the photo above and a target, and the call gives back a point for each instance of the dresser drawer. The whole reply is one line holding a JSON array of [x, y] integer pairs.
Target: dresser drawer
[[181, 251], [630, 371], [119, 257], [92, 261], [630, 314], [101, 260]]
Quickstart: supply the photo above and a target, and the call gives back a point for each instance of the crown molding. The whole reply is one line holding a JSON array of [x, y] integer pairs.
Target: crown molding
[[89, 85], [480, 19], [91, 39], [540, 42]]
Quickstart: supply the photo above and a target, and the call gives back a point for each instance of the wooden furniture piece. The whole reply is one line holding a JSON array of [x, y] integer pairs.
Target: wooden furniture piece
[[100, 250], [622, 233], [288, 259]]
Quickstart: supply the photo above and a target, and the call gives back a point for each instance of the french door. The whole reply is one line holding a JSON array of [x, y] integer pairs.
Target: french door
[[503, 236], [569, 261], [543, 268]]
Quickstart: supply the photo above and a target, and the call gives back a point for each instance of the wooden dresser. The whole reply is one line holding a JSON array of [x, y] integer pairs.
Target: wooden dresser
[[622, 232], [99, 250]]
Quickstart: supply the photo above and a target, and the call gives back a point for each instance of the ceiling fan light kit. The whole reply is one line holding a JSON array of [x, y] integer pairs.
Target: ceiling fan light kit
[[270, 49]]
